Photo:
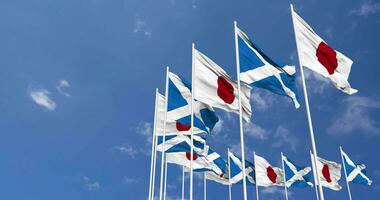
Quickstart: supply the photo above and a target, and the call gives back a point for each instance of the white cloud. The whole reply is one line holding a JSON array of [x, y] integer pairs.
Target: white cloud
[[62, 84], [255, 131], [41, 97], [355, 115], [141, 27], [145, 129], [272, 191], [91, 185], [366, 8], [130, 180], [283, 137], [194, 4], [218, 127], [127, 149], [262, 100]]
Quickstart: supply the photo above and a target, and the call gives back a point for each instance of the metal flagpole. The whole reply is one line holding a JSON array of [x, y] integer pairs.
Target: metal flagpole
[[166, 176], [315, 176], [183, 182], [314, 148], [164, 133], [283, 168], [204, 175], [151, 185], [154, 166], [229, 174], [240, 113], [256, 184], [192, 121], [204, 186], [345, 173]]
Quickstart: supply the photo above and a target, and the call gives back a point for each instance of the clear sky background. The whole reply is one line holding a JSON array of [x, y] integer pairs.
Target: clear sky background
[[77, 86]]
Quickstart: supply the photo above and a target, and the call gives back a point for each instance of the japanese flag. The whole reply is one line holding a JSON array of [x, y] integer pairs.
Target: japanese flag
[[317, 55], [329, 173], [216, 88], [266, 174]]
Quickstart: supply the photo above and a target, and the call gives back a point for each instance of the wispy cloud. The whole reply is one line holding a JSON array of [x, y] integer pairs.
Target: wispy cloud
[[256, 131], [283, 137], [262, 100], [145, 129], [62, 85], [42, 98], [366, 8], [274, 191], [141, 27], [355, 115], [127, 149], [91, 185], [130, 180]]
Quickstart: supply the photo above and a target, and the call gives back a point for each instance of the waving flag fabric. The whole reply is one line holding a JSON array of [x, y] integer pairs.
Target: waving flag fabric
[[236, 170], [180, 143], [296, 176], [179, 110], [266, 174], [329, 173], [216, 88], [355, 173], [258, 70], [317, 55]]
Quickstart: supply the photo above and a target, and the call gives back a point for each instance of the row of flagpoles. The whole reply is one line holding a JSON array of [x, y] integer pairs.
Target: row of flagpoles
[[185, 113]]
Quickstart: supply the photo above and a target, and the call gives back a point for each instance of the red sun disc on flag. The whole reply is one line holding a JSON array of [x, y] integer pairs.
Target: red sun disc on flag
[[326, 173], [188, 155], [225, 90], [182, 127], [271, 174], [327, 57]]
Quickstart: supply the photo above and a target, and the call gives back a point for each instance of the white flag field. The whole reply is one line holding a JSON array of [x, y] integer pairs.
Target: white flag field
[[216, 88], [317, 55]]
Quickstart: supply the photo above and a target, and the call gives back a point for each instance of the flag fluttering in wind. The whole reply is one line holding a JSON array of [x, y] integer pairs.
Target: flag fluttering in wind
[[266, 174], [179, 110], [236, 170], [355, 173], [258, 70], [329, 173], [179, 143], [315, 54], [216, 88], [295, 175]]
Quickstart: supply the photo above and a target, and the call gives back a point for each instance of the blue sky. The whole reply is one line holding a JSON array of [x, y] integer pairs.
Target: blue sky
[[78, 78]]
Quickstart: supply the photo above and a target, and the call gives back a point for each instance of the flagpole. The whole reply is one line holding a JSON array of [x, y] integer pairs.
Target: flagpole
[[204, 175], [229, 174], [283, 168], [164, 133], [151, 185], [314, 175], [183, 182], [256, 184], [192, 121], [240, 113], [314, 148], [154, 165], [166, 176], [345, 173]]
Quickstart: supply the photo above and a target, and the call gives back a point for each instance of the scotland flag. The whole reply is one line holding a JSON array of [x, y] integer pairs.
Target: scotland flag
[[179, 109], [296, 176], [236, 170], [354, 173], [258, 70], [180, 143]]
